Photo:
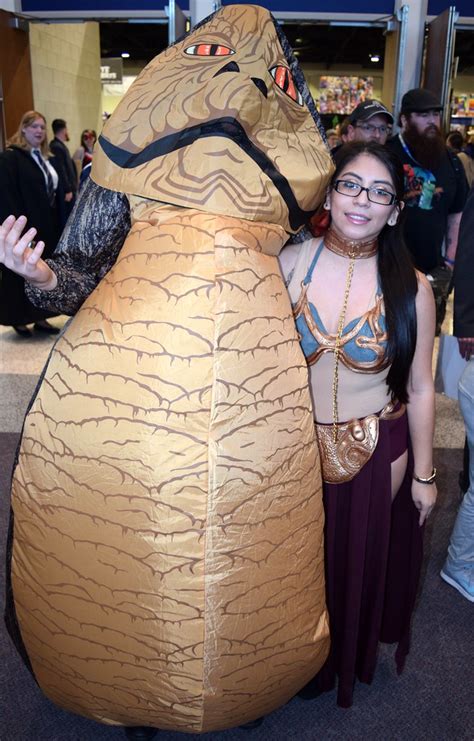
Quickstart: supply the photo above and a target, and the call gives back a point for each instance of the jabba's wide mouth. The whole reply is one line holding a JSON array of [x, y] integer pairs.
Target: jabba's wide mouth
[[226, 127]]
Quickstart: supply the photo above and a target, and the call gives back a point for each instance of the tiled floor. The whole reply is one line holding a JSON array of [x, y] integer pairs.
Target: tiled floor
[[21, 362], [26, 355]]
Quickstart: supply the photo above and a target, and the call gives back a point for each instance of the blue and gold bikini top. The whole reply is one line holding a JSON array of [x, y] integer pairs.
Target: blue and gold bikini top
[[364, 339]]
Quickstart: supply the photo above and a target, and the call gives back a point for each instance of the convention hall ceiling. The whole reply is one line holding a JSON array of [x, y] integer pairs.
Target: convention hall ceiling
[[319, 44]]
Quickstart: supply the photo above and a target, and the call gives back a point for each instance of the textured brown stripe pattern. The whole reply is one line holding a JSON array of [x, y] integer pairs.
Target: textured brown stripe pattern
[[177, 92], [167, 562]]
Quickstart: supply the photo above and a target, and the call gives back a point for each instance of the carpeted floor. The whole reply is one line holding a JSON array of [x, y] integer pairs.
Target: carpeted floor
[[431, 701]]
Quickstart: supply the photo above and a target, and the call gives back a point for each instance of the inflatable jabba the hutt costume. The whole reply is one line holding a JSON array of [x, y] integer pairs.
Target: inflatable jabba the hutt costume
[[167, 563]]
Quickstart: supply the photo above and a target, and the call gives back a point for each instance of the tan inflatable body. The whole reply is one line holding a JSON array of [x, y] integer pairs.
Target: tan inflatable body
[[167, 560]]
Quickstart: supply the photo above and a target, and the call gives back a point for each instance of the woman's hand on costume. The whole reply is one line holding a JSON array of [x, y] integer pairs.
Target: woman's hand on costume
[[17, 255], [424, 499]]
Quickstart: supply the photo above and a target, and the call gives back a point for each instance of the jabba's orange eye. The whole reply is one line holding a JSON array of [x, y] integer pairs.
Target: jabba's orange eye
[[285, 82], [209, 50]]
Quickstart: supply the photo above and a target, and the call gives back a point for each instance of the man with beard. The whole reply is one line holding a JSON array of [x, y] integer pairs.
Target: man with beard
[[435, 191], [66, 168]]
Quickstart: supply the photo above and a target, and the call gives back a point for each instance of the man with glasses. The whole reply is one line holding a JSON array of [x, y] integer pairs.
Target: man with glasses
[[435, 191], [370, 121]]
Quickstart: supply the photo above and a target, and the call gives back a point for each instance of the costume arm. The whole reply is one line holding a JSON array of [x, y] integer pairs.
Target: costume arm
[[87, 249], [421, 399]]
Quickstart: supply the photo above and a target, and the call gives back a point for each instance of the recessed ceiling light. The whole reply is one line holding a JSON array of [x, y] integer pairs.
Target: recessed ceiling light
[[374, 57], [125, 55]]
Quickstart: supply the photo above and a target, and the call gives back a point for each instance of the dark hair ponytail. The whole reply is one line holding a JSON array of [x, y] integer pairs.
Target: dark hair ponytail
[[399, 287], [396, 271]]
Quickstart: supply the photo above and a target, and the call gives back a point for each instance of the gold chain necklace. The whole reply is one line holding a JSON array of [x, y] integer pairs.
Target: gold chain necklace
[[337, 349]]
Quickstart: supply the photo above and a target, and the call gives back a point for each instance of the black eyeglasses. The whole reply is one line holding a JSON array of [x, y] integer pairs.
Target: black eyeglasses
[[372, 128], [374, 194]]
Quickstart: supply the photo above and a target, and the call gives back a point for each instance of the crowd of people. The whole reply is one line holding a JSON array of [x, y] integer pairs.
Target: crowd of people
[[368, 297]]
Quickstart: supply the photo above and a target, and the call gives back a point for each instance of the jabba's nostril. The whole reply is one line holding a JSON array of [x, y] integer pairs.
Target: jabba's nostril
[[257, 81], [261, 85], [231, 67]]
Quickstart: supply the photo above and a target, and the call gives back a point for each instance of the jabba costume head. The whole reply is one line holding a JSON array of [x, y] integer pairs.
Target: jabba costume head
[[222, 122]]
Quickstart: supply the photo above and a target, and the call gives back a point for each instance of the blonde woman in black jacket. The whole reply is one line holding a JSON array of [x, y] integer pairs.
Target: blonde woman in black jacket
[[29, 186]]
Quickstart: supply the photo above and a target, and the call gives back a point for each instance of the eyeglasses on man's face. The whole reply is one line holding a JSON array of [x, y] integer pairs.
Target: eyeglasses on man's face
[[375, 195], [373, 129]]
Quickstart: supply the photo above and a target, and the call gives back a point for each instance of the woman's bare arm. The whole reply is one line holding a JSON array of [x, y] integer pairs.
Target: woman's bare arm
[[421, 403], [86, 251]]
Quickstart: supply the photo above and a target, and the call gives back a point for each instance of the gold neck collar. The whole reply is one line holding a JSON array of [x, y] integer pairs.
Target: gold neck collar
[[350, 247]]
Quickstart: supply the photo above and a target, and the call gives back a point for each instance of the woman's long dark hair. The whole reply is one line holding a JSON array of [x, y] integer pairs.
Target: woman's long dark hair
[[397, 274]]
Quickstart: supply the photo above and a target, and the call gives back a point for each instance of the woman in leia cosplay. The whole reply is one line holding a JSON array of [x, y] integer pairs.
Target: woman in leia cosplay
[[366, 320]]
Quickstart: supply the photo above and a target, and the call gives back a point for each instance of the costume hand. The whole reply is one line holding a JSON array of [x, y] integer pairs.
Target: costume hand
[[466, 347], [424, 499], [16, 254]]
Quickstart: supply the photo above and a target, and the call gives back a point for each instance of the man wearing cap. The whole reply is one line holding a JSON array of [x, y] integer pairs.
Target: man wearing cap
[[370, 121], [435, 183]]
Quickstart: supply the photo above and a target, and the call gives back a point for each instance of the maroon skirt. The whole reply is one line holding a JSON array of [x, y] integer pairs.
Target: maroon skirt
[[373, 561]]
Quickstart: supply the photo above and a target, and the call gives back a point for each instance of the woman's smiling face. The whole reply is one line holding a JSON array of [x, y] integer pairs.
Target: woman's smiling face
[[357, 217]]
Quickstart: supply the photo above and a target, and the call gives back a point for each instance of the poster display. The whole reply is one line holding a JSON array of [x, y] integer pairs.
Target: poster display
[[463, 106], [341, 94]]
